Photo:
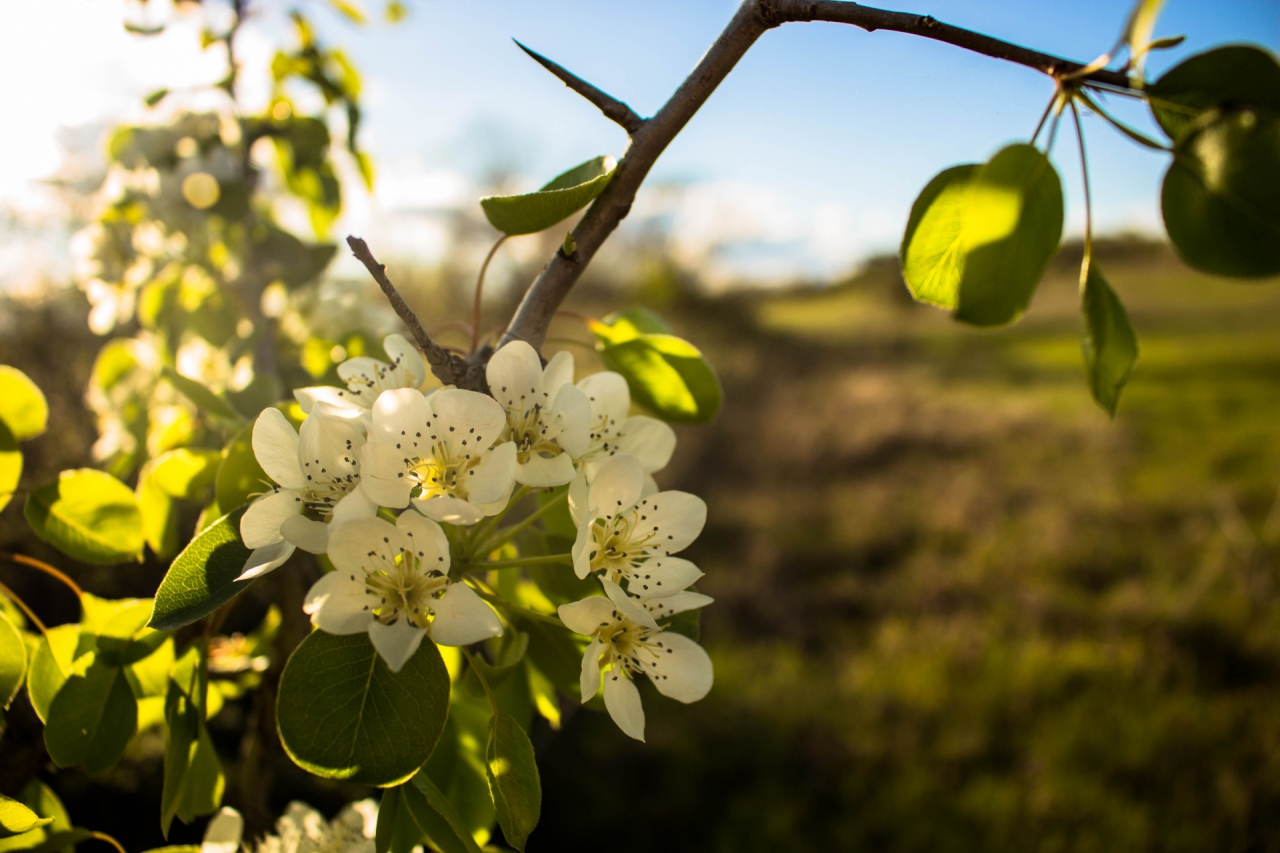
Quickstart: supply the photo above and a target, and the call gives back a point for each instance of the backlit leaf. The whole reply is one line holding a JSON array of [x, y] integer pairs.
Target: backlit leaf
[[559, 199], [667, 375], [23, 408], [203, 577], [88, 515], [10, 466], [1233, 77], [13, 661], [1108, 341], [15, 818], [513, 779]]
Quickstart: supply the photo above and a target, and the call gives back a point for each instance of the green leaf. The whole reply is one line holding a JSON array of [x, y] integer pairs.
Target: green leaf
[[205, 400], [159, 514], [668, 376], [435, 817], [1109, 344], [513, 779], [203, 577], [23, 408], [15, 818], [239, 475], [10, 466], [554, 651], [38, 797], [564, 196], [1221, 195], [342, 714], [632, 323], [92, 718], [13, 661], [184, 472], [388, 811], [980, 236], [1138, 30], [89, 516], [1235, 77], [193, 780], [50, 666]]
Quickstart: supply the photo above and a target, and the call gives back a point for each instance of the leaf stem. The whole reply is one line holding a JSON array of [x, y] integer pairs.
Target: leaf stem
[[1088, 198], [516, 608], [22, 605], [518, 562], [1048, 108], [46, 568], [475, 309], [102, 836], [507, 534], [1138, 137], [481, 530], [488, 691]]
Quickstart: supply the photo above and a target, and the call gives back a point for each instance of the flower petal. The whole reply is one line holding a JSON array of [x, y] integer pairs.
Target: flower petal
[[308, 397], [578, 498], [351, 542], [462, 618], [676, 519], [223, 833], [663, 576], [558, 373], [470, 413], [426, 541], [266, 558], [515, 377], [260, 524], [383, 475], [589, 678], [623, 701], [586, 616], [584, 548], [305, 533], [355, 504], [406, 356], [339, 603], [449, 510], [682, 669], [616, 487], [670, 605], [627, 606], [397, 412], [396, 642], [494, 475], [609, 396], [575, 436], [275, 444], [649, 440], [542, 473]]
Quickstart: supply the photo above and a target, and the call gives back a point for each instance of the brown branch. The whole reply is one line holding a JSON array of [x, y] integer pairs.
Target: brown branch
[[614, 110], [652, 136], [447, 367]]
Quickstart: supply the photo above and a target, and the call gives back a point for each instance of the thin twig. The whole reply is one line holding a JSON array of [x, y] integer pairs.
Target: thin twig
[[22, 605], [442, 364], [47, 569], [614, 110], [475, 309], [518, 562], [102, 836], [499, 601]]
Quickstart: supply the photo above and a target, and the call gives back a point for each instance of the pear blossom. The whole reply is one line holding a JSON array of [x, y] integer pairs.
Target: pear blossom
[[317, 473], [366, 378], [393, 582], [627, 641], [547, 417], [444, 453], [615, 430], [630, 536], [301, 829]]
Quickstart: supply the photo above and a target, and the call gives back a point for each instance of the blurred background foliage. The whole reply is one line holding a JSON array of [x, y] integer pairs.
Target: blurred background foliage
[[956, 608]]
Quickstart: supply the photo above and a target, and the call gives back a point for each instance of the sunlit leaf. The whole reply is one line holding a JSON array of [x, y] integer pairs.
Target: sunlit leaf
[[88, 515], [1107, 339], [23, 408], [1138, 30], [51, 665], [38, 797], [1233, 77], [13, 661], [559, 199], [667, 375], [203, 577], [205, 400], [10, 466], [184, 472], [15, 818], [159, 514], [513, 779], [239, 475]]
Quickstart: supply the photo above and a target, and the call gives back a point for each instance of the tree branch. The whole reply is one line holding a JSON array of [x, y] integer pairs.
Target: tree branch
[[449, 368], [614, 110]]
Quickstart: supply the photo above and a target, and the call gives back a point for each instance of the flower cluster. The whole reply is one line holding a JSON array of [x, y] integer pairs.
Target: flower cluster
[[394, 484], [301, 829]]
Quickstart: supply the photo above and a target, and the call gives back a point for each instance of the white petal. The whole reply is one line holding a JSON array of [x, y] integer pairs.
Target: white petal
[[515, 377], [403, 410], [466, 411], [495, 507], [649, 440], [426, 540], [449, 510], [339, 603], [462, 618], [355, 504], [575, 437], [676, 519], [616, 487], [626, 605], [609, 395], [223, 833], [682, 669], [384, 475], [542, 473], [558, 373], [333, 441], [407, 356], [305, 533], [266, 558], [584, 547], [586, 616], [275, 444], [396, 642], [260, 524], [670, 605], [351, 542], [663, 576], [623, 701], [494, 475], [338, 397], [578, 498], [589, 678], [650, 487]]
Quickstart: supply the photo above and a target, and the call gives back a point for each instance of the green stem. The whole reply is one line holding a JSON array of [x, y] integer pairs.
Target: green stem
[[516, 608], [1137, 136], [483, 528], [488, 691], [506, 535], [22, 605], [517, 562], [1088, 199]]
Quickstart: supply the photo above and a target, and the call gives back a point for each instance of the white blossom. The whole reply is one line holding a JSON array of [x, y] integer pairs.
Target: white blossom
[[393, 582], [627, 641], [630, 536], [615, 430], [366, 378], [317, 474], [301, 829], [444, 453], [547, 417]]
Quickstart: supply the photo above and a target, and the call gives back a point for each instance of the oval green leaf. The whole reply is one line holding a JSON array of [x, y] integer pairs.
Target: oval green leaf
[[668, 376], [1234, 76], [433, 817], [15, 818], [50, 666], [239, 474], [1107, 339], [342, 714], [980, 237], [13, 662], [1221, 195], [89, 516], [204, 399], [184, 472], [159, 514], [23, 408], [92, 718], [10, 466], [564, 196], [203, 577], [513, 779]]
